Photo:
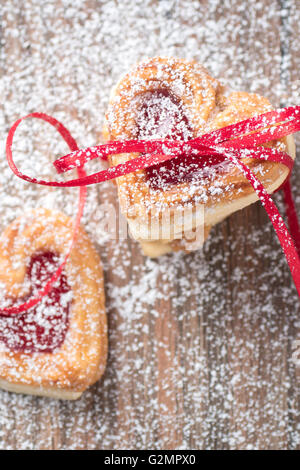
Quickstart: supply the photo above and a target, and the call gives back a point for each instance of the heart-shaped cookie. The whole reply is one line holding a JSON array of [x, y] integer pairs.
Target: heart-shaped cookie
[[170, 204], [57, 348]]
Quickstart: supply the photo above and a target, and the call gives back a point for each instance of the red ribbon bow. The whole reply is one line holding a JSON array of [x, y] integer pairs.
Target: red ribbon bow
[[232, 142]]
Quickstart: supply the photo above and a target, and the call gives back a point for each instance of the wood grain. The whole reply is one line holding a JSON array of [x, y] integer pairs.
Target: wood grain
[[200, 351]]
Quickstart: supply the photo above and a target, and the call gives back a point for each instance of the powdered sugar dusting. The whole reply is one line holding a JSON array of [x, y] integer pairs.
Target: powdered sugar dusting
[[200, 345]]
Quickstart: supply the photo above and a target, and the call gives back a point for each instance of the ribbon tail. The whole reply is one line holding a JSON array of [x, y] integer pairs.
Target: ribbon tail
[[280, 228], [33, 301], [290, 209]]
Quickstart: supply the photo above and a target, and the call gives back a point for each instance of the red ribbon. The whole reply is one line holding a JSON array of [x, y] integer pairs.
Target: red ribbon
[[233, 142]]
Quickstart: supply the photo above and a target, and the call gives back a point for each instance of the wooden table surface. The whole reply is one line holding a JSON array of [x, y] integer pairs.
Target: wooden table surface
[[201, 346]]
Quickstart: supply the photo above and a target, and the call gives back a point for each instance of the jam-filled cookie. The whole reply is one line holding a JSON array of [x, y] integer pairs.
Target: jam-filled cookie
[[57, 348], [172, 206]]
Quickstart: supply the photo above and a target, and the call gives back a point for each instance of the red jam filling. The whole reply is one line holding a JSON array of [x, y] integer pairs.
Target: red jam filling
[[160, 115], [44, 327]]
